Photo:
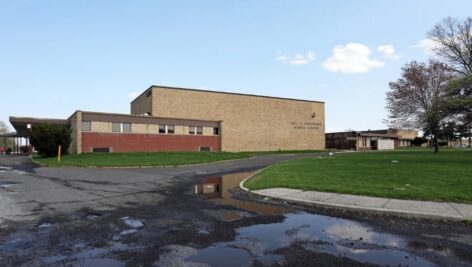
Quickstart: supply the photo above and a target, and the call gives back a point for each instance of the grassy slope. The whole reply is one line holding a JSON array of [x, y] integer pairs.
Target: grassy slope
[[149, 159], [446, 176]]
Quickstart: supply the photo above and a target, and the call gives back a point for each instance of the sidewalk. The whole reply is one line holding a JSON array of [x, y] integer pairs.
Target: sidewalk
[[443, 210]]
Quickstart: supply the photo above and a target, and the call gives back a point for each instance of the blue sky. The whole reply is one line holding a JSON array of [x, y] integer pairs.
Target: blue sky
[[60, 56]]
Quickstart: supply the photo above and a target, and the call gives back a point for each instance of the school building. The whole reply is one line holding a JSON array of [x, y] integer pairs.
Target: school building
[[385, 139], [180, 119]]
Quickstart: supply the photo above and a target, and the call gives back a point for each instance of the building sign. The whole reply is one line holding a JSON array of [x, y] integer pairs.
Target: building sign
[[300, 125]]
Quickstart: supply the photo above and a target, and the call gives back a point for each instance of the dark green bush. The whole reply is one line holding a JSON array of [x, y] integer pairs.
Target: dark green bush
[[442, 143], [24, 149], [419, 141], [47, 137]]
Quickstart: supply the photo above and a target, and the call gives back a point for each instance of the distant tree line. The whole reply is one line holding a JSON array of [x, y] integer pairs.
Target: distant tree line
[[436, 96]]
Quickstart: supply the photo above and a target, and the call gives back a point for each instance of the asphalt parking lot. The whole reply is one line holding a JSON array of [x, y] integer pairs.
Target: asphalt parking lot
[[155, 216]]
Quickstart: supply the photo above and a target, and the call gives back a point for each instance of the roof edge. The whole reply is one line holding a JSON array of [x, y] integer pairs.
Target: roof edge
[[230, 93], [141, 116]]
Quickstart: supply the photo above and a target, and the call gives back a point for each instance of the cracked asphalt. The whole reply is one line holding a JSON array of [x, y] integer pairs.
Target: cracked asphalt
[[152, 217]]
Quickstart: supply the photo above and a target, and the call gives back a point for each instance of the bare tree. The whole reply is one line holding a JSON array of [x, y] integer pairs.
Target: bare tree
[[3, 128], [416, 99], [454, 43]]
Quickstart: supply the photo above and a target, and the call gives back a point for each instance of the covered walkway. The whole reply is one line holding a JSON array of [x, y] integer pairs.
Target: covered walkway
[[19, 141]]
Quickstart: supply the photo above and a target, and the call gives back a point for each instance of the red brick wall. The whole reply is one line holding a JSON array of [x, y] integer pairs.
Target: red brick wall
[[125, 142]]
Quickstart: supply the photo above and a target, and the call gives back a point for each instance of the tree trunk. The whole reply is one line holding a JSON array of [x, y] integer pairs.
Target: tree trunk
[[435, 142], [470, 137]]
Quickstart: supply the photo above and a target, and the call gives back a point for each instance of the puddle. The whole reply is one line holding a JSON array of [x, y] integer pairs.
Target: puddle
[[6, 184], [133, 223], [315, 233], [93, 216], [45, 225], [89, 257], [232, 256]]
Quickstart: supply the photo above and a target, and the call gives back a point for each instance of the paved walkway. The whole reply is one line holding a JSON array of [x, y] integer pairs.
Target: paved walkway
[[409, 207]]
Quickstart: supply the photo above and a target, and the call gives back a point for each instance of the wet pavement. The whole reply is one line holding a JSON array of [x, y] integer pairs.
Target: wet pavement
[[198, 217]]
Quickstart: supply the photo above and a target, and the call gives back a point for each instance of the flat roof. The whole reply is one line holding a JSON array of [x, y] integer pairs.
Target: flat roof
[[138, 116], [142, 119], [20, 123], [221, 92]]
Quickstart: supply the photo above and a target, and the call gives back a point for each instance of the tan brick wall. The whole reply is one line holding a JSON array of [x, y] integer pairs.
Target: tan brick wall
[[250, 122], [79, 132], [406, 134], [141, 105], [106, 127], [181, 129], [101, 127], [207, 131], [73, 144], [141, 128]]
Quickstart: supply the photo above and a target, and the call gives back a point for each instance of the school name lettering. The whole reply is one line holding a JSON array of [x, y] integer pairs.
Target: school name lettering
[[300, 125]]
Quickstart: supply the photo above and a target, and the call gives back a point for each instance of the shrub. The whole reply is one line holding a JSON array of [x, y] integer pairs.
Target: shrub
[[24, 149], [442, 143], [47, 137], [419, 141]]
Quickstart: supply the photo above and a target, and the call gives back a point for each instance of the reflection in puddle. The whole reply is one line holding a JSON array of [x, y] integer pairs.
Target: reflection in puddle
[[217, 189], [316, 233]]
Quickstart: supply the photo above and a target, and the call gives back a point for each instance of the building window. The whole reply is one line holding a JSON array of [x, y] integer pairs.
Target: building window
[[216, 131], [195, 130], [121, 127], [166, 129], [116, 127], [126, 127], [86, 126]]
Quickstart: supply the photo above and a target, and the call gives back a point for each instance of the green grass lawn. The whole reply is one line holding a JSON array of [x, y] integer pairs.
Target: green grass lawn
[[150, 159], [446, 176]]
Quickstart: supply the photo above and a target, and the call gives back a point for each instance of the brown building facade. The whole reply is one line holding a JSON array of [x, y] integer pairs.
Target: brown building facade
[[248, 122], [108, 132], [178, 119], [370, 140]]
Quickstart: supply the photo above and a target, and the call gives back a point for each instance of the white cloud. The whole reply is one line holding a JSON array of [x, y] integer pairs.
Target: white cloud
[[310, 55], [281, 57], [297, 59], [351, 58], [133, 95], [427, 45], [388, 51]]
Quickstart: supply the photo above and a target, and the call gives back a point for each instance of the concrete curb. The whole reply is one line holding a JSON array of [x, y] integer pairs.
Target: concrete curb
[[420, 214], [370, 209], [241, 184]]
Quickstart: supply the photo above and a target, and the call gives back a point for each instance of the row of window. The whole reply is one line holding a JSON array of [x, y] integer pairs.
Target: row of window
[[116, 127], [123, 127]]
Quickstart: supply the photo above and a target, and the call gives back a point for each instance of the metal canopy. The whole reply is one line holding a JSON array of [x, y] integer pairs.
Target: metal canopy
[[21, 124]]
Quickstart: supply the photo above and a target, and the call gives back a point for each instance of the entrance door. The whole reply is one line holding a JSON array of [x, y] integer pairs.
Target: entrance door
[[373, 145]]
